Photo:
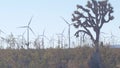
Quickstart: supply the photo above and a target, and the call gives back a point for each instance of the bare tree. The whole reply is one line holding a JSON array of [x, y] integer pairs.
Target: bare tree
[[21, 41], [52, 41], [43, 39], [97, 14], [91, 19], [11, 41], [37, 43]]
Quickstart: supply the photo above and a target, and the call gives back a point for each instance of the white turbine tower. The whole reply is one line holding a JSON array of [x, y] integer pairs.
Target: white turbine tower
[[28, 28], [69, 27]]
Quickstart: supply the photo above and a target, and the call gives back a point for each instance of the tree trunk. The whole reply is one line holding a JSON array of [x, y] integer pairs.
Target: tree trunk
[[97, 40], [96, 60]]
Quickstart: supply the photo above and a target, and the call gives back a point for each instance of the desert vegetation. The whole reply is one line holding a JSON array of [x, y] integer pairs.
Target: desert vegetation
[[86, 50], [57, 58]]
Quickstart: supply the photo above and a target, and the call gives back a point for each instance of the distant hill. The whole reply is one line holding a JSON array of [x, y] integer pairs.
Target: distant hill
[[115, 46]]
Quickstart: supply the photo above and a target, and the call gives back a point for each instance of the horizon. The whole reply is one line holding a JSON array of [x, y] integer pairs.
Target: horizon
[[46, 15]]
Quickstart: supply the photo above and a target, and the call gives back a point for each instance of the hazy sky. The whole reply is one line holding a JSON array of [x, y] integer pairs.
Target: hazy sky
[[15, 13]]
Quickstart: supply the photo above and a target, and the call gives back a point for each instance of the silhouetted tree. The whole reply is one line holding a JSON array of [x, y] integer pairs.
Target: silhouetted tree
[[96, 14], [91, 19], [37, 44], [11, 41]]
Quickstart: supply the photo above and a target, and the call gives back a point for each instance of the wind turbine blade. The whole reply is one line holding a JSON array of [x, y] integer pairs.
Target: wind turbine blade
[[44, 36], [65, 20], [63, 31], [1, 31], [30, 20], [111, 34], [23, 33], [103, 33], [31, 30], [43, 31], [2, 38], [23, 27]]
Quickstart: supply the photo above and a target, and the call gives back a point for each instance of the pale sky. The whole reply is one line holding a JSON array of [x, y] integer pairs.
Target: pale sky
[[15, 13]]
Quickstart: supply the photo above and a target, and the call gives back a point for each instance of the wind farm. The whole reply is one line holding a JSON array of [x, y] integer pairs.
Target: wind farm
[[59, 34]]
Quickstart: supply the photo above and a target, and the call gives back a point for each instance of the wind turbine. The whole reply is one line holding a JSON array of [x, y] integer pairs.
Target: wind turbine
[[28, 28], [69, 27], [3, 33], [2, 38], [43, 38], [113, 38], [60, 38], [104, 37], [51, 41]]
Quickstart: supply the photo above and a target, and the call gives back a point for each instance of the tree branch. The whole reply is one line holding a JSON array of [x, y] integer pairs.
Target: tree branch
[[85, 32]]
